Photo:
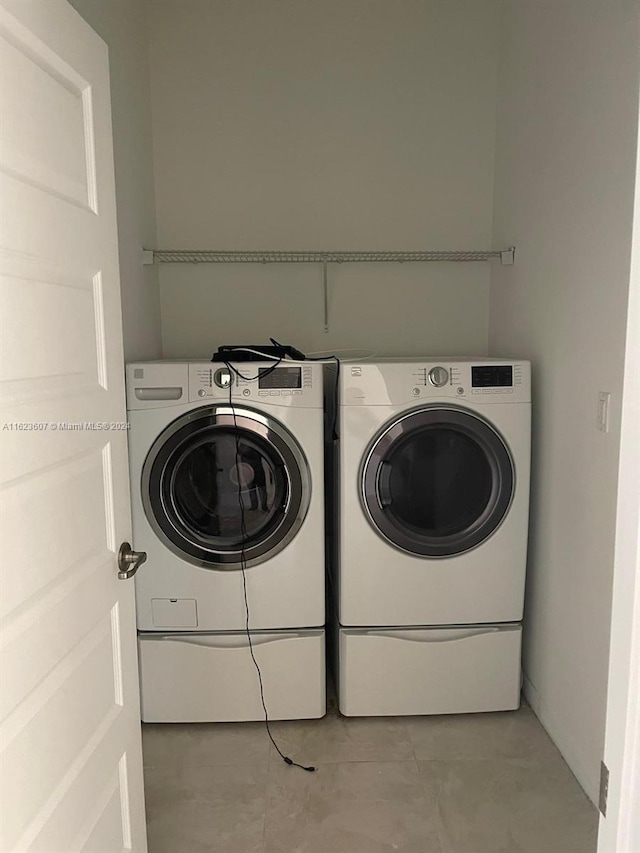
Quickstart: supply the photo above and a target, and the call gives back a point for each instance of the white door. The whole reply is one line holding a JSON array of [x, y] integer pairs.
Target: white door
[[71, 769], [620, 826]]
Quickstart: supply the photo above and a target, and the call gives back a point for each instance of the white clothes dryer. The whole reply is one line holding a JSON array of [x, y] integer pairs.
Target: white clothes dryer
[[215, 479], [434, 460]]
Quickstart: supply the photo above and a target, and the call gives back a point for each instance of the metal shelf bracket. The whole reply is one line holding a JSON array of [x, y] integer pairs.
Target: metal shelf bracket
[[325, 293], [508, 257]]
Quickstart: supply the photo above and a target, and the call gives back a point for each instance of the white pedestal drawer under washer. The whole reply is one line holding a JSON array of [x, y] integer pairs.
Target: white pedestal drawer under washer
[[193, 458]]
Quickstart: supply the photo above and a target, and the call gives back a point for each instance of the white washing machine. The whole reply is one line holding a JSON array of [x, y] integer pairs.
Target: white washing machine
[[194, 458], [434, 460]]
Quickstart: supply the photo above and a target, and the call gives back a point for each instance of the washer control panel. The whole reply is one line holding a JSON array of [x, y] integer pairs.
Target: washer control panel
[[287, 383]]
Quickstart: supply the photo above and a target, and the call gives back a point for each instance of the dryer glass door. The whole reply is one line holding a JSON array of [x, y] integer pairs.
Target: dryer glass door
[[215, 485], [437, 482]]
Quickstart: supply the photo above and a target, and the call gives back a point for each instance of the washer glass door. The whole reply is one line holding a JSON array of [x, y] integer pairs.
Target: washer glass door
[[216, 486], [437, 482]]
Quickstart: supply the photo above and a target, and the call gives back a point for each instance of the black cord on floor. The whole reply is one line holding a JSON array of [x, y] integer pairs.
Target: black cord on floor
[[243, 560]]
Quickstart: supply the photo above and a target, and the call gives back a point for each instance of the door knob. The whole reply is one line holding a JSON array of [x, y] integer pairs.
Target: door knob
[[129, 561]]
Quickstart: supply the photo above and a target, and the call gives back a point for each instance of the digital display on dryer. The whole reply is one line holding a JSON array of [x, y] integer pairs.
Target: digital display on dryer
[[280, 377], [492, 376]]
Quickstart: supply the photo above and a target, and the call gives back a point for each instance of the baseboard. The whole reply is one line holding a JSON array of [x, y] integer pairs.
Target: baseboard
[[563, 741]]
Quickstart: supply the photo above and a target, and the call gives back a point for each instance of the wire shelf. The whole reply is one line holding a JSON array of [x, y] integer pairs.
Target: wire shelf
[[218, 256], [181, 256]]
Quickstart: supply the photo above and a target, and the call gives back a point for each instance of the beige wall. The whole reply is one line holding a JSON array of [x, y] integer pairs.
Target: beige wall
[[565, 159], [326, 125], [122, 25]]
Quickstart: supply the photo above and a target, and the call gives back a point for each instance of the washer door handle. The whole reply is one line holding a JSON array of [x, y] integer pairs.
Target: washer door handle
[[129, 561], [383, 486]]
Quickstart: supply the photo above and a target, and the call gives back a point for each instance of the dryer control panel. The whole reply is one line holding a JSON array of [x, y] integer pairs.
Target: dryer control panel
[[396, 382]]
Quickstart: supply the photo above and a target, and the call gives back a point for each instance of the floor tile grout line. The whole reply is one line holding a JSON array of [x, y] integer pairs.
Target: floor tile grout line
[[387, 760], [174, 765], [320, 764], [436, 808], [411, 741], [427, 800], [267, 796], [525, 761], [267, 802]]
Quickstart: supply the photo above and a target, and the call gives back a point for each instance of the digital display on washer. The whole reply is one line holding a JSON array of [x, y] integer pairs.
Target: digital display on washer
[[492, 376], [280, 377]]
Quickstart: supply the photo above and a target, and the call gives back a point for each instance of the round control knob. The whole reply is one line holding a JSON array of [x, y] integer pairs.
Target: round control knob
[[438, 376], [223, 377], [201, 392]]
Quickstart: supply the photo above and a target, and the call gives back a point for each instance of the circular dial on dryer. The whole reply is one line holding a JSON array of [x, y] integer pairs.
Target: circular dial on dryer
[[438, 376]]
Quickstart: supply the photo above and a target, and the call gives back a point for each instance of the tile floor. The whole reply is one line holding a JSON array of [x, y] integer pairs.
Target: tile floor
[[483, 783]]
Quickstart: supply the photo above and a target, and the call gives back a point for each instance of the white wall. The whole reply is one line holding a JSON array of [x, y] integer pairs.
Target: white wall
[[122, 25], [342, 124], [565, 163]]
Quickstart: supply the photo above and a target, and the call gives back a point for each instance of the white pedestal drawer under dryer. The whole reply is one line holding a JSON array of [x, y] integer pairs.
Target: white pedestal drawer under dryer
[[434, 466]]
